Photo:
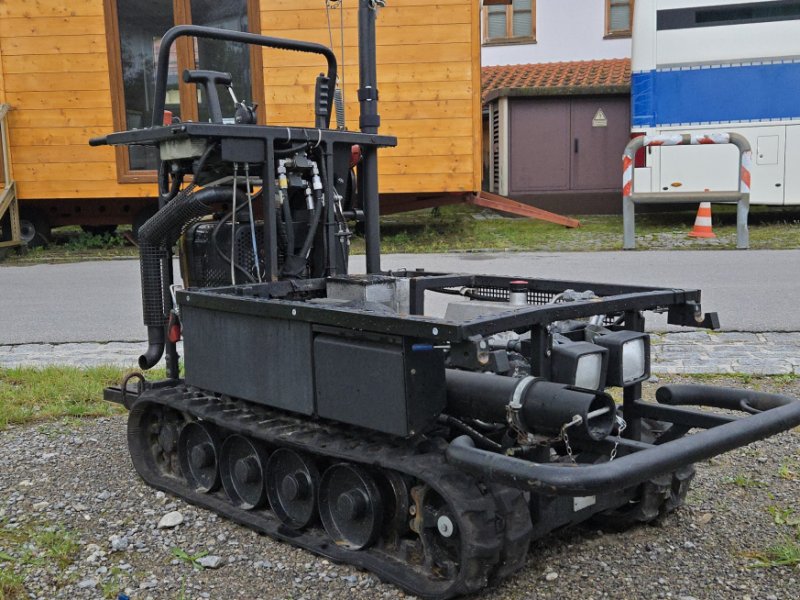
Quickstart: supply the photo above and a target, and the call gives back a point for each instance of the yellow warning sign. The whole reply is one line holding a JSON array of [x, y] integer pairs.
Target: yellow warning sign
[[600, 119]]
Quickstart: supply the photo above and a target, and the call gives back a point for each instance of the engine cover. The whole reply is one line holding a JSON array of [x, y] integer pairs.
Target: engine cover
[[205, 254]]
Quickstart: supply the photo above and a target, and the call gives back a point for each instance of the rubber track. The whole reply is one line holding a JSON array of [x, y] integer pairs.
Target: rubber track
[[491, 522]]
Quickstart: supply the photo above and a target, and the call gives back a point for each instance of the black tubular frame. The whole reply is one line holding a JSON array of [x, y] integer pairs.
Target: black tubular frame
[[644, 461], [369, 122], [242, 37], [273, 300]]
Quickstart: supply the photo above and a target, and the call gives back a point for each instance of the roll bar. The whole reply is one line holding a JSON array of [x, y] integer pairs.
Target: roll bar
[[229, 36]]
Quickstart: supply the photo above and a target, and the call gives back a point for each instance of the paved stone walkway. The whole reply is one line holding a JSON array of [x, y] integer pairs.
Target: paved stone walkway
[[776, 353], [768, 353]]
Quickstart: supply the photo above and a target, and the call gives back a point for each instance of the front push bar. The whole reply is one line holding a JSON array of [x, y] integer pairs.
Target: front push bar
[[774, 414]]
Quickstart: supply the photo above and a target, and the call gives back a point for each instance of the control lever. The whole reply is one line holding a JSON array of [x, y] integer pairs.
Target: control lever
[[245, 113], [210, 80]]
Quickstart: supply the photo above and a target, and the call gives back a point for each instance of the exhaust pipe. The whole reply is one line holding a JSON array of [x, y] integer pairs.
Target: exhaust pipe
[[155, 348], [156, 237], [530, 404]]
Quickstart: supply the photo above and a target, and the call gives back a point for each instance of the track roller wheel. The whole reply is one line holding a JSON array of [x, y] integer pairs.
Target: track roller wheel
[[657, 498], [437, 528], [292, 486], [396, 497], [242, 470], [198, 454], [350, 506], [153, 432]]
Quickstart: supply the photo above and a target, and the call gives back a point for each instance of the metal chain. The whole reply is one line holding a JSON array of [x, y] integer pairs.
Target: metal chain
[[621, 425], [576, 420]]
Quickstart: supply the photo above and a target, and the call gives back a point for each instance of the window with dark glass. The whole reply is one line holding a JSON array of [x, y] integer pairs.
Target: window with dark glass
[[736, 14], [516, 22], [135, 30]]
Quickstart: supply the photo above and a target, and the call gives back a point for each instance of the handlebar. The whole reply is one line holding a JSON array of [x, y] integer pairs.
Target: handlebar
[[230, 36], [210, 80]]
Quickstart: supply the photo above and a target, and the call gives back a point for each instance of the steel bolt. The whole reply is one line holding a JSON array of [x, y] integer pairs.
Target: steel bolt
[[445, 526], [202, 456]]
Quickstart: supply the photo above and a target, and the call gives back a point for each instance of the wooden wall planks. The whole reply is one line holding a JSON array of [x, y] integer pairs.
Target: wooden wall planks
[[55, 65], [428, 78], [54, 73]]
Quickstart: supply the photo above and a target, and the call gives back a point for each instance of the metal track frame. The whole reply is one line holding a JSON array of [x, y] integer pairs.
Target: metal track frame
[[492, 521]]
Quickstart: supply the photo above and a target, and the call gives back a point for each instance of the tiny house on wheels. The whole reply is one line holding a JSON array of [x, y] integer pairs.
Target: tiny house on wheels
[[73, 69], [702, 66]]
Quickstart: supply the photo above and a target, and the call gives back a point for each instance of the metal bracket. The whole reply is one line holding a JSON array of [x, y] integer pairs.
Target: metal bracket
[[691, 315], [514, 408]]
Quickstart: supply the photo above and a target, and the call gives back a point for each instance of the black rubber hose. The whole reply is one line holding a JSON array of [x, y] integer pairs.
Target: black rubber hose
[[313, 226], [201, 164], [156, 236], [288, 221], [474, 434], [291, 150], [719, 397], [155, 348]]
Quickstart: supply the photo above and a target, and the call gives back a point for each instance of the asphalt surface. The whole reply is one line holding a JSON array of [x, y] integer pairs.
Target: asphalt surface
[[100, 301]]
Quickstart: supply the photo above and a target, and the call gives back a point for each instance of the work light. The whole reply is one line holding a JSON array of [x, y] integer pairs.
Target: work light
[[628, 357], [580, 364]]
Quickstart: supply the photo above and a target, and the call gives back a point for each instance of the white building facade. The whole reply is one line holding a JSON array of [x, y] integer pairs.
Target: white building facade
[[539, 31]]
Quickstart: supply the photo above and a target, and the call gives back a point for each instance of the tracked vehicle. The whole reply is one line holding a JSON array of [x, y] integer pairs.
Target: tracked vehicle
[[341, 414]]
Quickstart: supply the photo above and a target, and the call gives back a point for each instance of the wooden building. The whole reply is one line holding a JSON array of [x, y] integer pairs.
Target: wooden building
[[73, 69]]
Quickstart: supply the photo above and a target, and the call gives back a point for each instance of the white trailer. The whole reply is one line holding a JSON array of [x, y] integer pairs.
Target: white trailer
[[714, 65]]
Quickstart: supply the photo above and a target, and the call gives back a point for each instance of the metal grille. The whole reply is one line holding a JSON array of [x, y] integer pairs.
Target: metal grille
[[499, 293], [494, 141], [535, 298], [207, 268]]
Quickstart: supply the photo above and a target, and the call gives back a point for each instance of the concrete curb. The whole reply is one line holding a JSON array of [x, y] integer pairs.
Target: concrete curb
[[694, 352]]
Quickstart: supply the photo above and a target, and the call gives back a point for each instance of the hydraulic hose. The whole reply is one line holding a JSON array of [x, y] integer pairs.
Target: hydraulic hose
[[296, 263], [312, 229], [156, 236]]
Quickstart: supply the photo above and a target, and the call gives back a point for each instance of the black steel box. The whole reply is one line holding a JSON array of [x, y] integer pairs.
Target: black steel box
[[262, 360], [383, 385]]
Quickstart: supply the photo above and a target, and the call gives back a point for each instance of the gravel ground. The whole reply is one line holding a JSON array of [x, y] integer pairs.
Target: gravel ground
[[75, 476]]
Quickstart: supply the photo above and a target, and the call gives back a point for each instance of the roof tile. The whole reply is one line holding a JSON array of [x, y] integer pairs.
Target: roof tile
[[578, 76]]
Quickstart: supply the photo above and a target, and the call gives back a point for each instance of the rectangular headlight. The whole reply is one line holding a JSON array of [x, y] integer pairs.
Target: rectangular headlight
[[628, 357], [580, 364]]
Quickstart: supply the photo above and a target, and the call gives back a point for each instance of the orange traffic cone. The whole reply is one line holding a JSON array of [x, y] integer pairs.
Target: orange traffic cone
[[702, 224]]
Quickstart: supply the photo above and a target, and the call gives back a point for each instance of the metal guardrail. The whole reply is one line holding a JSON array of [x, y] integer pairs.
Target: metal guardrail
[[9, 206], [741, 198]]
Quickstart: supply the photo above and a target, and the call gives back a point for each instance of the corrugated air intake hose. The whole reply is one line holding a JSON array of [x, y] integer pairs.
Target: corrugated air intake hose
[[156, 236]]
